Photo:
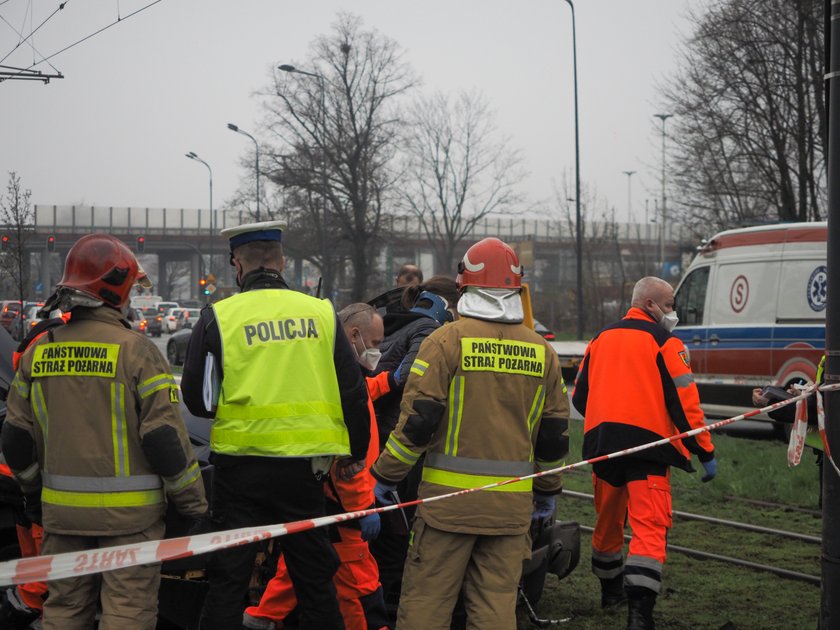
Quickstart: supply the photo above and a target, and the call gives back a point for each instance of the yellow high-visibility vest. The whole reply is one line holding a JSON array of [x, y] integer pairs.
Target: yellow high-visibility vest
[[279, 395]]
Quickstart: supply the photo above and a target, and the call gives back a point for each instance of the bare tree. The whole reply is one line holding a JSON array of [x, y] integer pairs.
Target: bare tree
[[459, 170], [334, 124], [18, 218], [750, 113]]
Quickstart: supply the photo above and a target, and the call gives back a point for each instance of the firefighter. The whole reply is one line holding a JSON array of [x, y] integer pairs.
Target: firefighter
[[357, 579], [95, 439], [635, 386], [288, 398], [484, 401]]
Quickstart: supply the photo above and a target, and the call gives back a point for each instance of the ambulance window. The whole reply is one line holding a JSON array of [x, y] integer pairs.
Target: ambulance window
[[691, 297]]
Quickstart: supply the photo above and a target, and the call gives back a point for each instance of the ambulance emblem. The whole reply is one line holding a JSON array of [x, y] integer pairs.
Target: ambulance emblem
[[817, 285], [684, 357]]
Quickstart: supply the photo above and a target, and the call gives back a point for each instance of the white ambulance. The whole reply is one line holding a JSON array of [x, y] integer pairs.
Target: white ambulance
[[752, 312]]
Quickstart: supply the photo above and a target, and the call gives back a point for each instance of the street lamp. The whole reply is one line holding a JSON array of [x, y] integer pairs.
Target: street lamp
[[629, 204], [233, 127], [663, 118], [193, 156], [321, 82], [578, 236]]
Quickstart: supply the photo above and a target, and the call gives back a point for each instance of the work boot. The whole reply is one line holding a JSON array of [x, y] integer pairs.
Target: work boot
[[640, 612], [612, 591]]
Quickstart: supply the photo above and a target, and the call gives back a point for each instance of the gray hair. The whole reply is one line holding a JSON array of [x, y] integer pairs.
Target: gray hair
[[648, 287], [357, 314]]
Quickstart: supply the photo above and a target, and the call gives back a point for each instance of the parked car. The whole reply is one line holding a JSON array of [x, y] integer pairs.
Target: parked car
[[176, 347], [9, 311], [187, 317], [170, 320], [542, 331], [154, 322]]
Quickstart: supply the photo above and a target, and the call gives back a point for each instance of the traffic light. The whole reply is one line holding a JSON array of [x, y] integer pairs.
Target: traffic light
[[202, 285], [4, 243], [141, 244], [51, 243]]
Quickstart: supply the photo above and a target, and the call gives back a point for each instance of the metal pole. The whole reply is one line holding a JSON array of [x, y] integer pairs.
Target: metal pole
[[212, 222], [663, 118], [233, 127], [629, 200], [830, 562], [578, 234]]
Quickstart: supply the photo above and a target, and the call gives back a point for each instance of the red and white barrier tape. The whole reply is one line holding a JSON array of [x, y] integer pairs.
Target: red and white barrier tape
[[79, 563]]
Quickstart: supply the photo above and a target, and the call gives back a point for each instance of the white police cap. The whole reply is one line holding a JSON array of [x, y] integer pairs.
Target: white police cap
[[249, 232]]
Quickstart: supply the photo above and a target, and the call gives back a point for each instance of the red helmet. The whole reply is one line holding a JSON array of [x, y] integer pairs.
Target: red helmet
[[102, 267], [491, 264]]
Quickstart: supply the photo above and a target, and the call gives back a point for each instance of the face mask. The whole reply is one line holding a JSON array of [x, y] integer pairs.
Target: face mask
[[669, 321], [369, 357]]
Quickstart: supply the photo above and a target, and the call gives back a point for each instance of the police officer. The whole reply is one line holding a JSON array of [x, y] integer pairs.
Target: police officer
[[635, 386], [290, 398], [93, 427], [484, 401]]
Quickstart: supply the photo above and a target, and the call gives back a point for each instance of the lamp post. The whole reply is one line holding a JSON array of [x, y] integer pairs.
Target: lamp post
[[663, 118], [233, 127], [629, 199], [578, 235], [194, 156], [321, 82]]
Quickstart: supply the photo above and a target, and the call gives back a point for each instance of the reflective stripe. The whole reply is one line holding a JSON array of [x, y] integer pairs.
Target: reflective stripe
[[300, 442], [684, 381], [536, 408], [119, 430], [154, 384], [474, 466], [644, 562], [463, 481], [419, 367], [563, 383], [101, 500], [20, 386], [184, 479], [607, 565], [283, 411], [402, 453], [72, 483], [30, 473], [40, 408], [544, 465], [456, 412]]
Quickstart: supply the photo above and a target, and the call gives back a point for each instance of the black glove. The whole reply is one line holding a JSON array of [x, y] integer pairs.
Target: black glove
[[32, 506]]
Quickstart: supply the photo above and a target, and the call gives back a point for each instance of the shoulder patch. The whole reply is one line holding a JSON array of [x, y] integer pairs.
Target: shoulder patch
[[684, 356]]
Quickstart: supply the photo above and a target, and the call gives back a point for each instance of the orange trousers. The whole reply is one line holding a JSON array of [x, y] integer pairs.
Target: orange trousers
[[357, 576], [646, 504]]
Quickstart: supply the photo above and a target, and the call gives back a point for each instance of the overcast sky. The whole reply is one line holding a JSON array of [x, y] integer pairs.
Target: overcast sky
[[138, 96]]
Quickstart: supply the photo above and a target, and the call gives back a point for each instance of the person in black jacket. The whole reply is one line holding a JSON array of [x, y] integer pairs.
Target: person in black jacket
[[424, 308]]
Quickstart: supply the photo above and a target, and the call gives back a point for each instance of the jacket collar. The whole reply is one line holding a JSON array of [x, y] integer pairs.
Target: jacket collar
[[101, 314], [637, 313], [263, 279]]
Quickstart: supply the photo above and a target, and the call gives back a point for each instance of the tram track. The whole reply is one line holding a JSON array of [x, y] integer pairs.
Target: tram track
[[706, 555]]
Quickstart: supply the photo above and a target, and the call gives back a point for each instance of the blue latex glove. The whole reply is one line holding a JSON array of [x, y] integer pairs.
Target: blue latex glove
[[544, 506], [385, 493], [370, 525], [711, 470]]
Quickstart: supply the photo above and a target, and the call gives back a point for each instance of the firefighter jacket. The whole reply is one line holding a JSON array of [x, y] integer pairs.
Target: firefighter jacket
[[356, 493], [635, 386], [298, 415], [485, 401], [93, 419]]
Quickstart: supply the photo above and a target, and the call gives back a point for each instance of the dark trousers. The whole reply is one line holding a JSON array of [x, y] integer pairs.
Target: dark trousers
[[251, 491]]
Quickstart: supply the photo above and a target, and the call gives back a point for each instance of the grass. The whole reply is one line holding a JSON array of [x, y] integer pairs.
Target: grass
[[702, 594]]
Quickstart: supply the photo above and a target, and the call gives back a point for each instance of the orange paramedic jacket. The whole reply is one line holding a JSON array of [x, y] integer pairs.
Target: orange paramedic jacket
[[635, 386]]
